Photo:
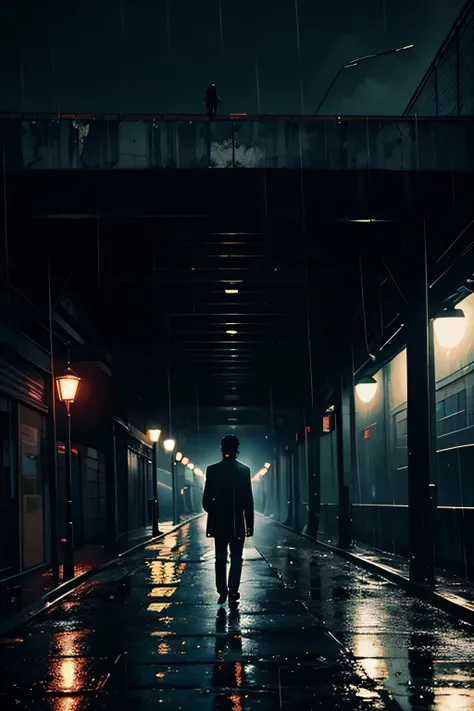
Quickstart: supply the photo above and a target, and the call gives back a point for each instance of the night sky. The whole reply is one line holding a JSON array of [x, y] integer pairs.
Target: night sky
[[159, 55]]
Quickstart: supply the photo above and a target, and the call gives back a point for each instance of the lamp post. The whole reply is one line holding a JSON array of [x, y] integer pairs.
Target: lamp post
[[67, 390], [155, 435], [355, 63], [169, 446]]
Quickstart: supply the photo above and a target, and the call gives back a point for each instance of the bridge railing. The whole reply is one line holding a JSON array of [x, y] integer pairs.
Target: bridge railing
[[86, 141]]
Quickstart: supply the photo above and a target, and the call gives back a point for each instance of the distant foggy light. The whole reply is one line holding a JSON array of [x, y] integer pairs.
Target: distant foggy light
[[231, 332], [231, 291], [169, 445]]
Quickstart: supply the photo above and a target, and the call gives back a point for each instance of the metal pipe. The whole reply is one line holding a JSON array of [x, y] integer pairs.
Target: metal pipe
[[155, 512]]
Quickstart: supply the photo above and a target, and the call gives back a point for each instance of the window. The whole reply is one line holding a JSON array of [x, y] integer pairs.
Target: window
[[401, 429], [451, 414]]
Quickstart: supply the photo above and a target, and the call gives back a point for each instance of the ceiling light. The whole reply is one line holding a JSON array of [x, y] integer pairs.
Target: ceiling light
[[450, 327], [366, 389], [231, 291]]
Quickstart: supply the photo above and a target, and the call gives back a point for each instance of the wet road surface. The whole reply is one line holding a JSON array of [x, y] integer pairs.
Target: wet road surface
[[311, 632]]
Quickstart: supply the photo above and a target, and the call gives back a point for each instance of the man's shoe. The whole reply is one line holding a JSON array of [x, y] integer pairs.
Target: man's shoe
[[222, 599], [233, 598]]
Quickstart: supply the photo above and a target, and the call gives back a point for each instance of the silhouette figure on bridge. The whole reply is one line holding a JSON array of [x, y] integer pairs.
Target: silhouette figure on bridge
[[228, 500], [211, 100]]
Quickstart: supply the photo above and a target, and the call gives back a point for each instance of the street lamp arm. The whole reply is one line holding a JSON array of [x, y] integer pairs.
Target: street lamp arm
[[329, 88], [355, 63]]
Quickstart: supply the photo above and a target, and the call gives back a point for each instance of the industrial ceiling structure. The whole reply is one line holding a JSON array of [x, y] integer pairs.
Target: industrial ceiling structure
[[235, 292]]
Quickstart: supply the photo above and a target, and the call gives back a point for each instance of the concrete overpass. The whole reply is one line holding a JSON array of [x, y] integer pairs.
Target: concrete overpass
[[189, 141]]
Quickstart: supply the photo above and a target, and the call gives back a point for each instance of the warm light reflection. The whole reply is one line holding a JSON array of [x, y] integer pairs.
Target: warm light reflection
[[67, 671], [163, 649], [238, 671], [68, 703], [162, 592], [236, 700], [368, 648], [453, 699], [158, 606]]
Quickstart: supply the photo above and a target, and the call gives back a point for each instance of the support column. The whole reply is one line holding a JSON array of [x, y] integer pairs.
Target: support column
[[314, 479], [419, 404], [345, 443]]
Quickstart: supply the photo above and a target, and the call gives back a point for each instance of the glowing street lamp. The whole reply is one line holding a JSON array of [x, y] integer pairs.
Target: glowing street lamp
[[267, 465], [190, 466], [185, 461], [198, 472], [178, 456], [67, 386], [169, 445], [154, 435], [366, 389], [450, 327]]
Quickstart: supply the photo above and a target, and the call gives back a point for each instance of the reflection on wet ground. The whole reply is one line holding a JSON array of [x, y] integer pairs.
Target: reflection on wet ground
[[311, 632]]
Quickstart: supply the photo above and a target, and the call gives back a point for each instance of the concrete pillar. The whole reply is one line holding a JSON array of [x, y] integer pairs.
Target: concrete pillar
[[419, 420], [345, 443], [314, 479]]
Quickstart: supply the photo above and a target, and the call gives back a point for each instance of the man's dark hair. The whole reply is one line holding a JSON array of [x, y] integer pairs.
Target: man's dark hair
[[230, 445]]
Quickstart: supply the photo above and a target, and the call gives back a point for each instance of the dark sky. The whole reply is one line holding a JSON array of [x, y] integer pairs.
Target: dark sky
[[159, 55]]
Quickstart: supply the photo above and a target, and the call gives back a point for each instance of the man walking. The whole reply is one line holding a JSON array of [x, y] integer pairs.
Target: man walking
[[228, 500]]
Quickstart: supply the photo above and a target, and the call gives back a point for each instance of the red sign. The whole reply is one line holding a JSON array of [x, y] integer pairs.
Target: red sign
[[367, 433]]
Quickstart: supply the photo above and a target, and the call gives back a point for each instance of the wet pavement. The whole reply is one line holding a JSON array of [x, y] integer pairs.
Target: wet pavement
[[311, 632]]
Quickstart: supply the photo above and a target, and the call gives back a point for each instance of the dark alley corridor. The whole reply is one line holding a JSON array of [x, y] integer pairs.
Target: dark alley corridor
[[311, 631]]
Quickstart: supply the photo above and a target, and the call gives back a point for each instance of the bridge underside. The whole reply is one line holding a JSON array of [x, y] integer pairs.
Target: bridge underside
[[157, 250]]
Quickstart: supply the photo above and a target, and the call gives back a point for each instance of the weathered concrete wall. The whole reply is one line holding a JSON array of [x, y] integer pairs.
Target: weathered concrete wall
[[355, 144]]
